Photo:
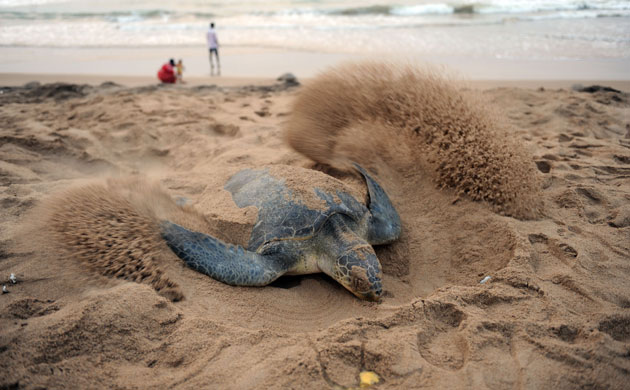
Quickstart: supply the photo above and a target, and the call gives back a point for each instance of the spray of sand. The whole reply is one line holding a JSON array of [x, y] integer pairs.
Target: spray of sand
[[416, 122], [112, 228]]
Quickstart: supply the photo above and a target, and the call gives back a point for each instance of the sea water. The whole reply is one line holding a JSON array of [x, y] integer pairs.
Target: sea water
[[510, 29]]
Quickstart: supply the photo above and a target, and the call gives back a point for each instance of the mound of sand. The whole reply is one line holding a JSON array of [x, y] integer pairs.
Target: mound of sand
[[554, 312]]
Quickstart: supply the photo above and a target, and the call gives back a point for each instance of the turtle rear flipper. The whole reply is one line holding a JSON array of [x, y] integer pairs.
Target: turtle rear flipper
[[226, 263], [385, 225]]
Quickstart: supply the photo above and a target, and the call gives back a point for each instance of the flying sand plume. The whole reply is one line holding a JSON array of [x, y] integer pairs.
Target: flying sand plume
[[113, 229], [416, 120]]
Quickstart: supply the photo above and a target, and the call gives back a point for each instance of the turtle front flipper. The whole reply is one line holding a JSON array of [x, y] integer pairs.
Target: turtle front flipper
[[385, 225], [226, 263]]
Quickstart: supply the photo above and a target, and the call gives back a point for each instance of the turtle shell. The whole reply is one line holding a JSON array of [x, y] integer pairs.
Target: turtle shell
[[292, 202]]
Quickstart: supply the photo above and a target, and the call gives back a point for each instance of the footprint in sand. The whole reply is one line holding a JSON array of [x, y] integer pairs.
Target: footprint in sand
[[617, 326], [620, 217], [546, 246], [439, 343], [29, 307], [595, 204], [591, 203]]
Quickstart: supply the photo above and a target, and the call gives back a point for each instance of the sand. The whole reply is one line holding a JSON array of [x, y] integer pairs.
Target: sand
[[554, 312], [265, 62]]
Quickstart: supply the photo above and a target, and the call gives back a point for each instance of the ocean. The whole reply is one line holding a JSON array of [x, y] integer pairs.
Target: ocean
[[510, 29]]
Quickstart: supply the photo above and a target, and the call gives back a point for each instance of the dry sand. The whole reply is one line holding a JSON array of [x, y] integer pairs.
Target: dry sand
[[102, 164]]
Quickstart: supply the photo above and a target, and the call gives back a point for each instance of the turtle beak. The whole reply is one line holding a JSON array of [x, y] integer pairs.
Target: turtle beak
[[373, 296]]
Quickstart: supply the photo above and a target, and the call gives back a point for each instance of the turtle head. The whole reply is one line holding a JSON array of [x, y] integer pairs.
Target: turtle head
[[359, 270]]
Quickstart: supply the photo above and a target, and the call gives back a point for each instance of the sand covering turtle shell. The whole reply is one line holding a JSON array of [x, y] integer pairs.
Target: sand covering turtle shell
[[302, 183]]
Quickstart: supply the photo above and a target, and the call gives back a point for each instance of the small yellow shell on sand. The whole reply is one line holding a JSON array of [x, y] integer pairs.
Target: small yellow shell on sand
[[368, 378]]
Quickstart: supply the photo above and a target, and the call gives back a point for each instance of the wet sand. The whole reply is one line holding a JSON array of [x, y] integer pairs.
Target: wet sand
[[554, 312], [263, 62]]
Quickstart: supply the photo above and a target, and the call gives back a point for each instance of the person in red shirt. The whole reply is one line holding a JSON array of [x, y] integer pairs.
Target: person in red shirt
[[166, 74]]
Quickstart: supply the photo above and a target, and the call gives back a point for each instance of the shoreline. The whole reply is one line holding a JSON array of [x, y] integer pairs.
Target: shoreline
[[19, 79], [266, 63]]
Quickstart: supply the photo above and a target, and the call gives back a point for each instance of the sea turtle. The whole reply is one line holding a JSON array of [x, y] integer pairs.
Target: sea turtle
[[295, 235]]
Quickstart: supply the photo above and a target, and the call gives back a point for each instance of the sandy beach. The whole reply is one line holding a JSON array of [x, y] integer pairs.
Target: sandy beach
[[543, 221], [74, 63]]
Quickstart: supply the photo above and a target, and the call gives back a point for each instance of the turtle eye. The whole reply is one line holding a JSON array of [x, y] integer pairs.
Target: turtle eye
[[361, 285], [360, 282]]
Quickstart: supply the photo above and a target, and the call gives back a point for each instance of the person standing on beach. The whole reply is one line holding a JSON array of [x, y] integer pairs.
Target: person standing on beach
[[213, 47], [180, 71]]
